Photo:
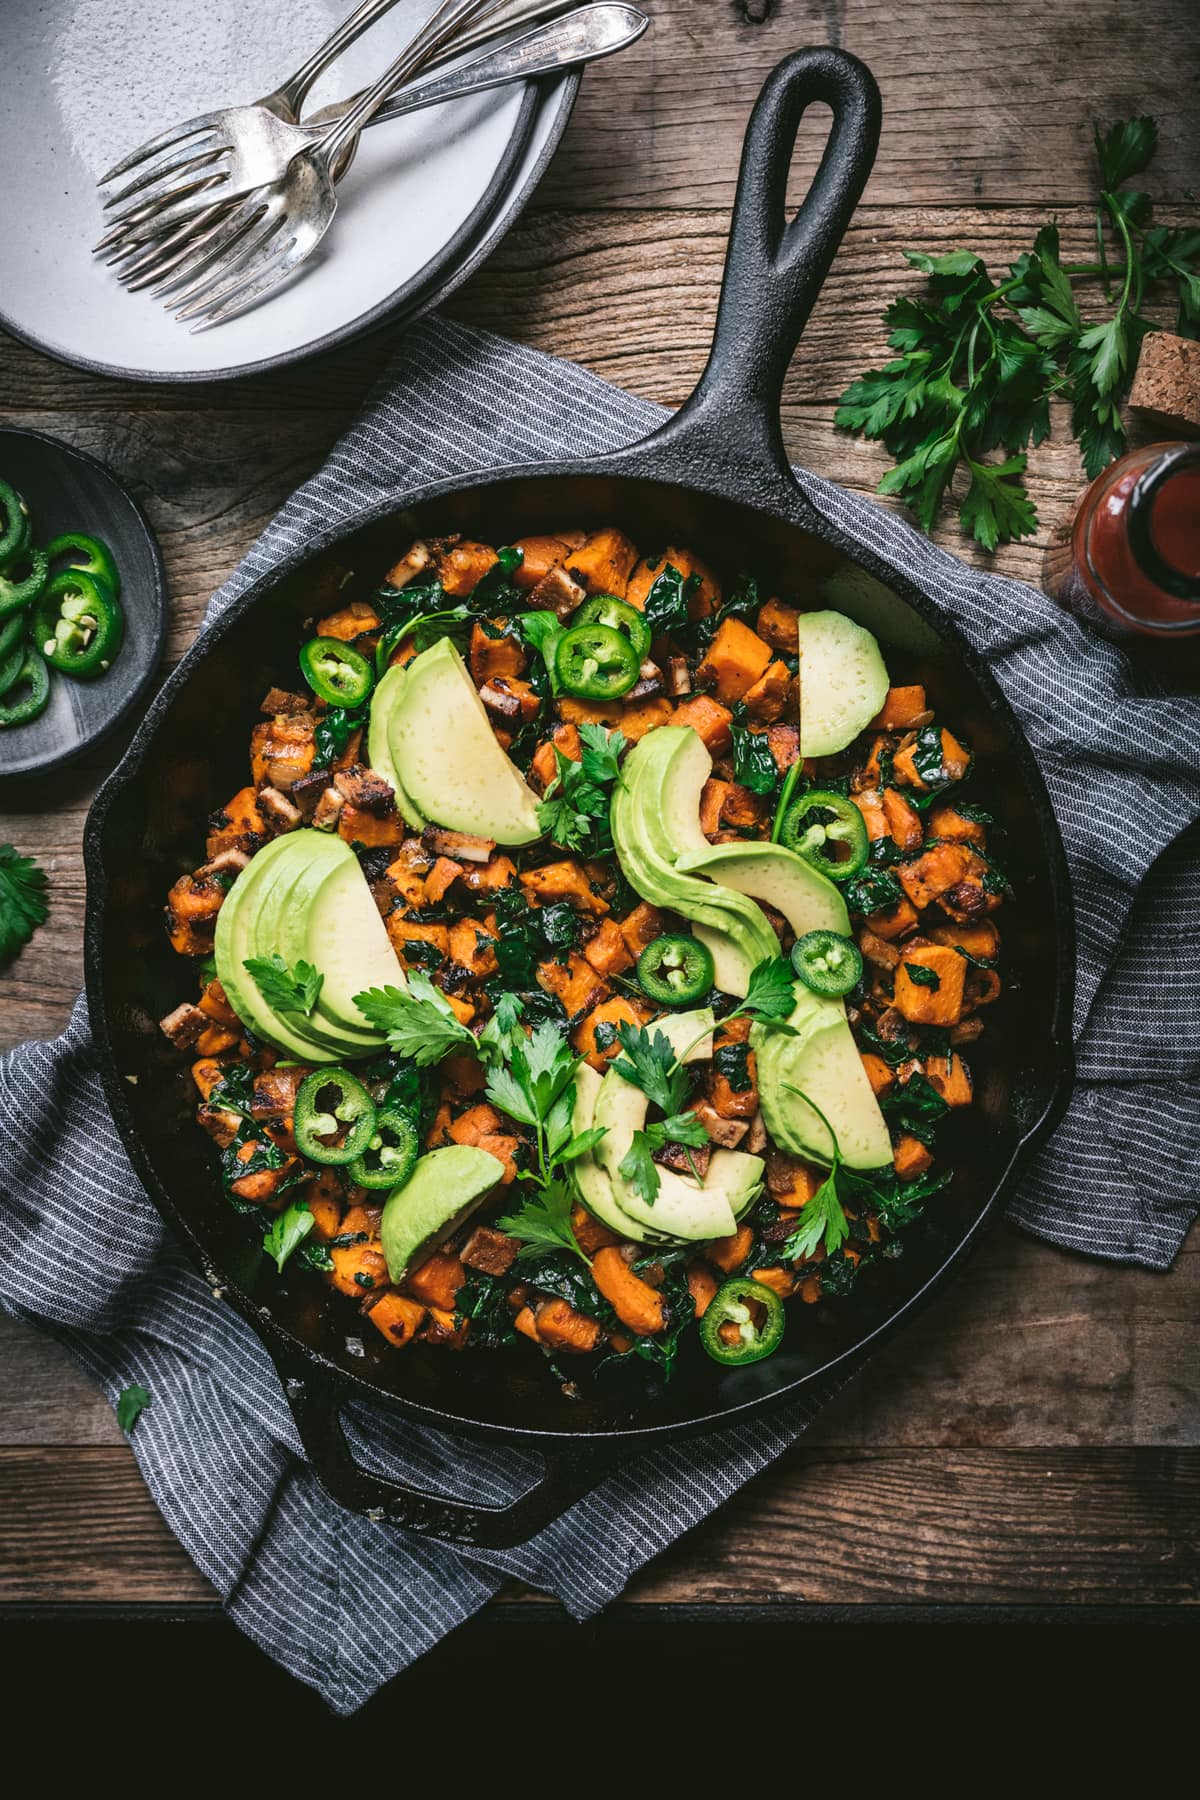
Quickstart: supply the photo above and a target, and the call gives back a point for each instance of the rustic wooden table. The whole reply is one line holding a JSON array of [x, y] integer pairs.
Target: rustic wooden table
[[1032, 1440]]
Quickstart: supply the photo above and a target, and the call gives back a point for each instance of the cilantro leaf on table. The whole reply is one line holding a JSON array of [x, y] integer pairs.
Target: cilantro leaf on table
[[287, 1231], [23, 904], [131, 1404], [419, 1024], [543, 1222], [284, 989]]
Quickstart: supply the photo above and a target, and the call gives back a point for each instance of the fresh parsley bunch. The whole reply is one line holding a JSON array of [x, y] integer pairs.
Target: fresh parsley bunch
[[979, 360]]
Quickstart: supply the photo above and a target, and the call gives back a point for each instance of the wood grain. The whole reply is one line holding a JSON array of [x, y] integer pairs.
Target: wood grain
[[823, 1525]]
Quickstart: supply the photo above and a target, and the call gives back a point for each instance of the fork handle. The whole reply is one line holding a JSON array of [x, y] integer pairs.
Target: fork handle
[[294, 91]]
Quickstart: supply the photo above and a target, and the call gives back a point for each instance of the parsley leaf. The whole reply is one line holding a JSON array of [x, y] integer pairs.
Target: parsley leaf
[[23, 904], [771, 993], [823, 1218], [576, 807], [602, 752], [419, 1024], [544, 1222], [285, 990], [288, 1230], [639, 1168], [650, 1064], [131, 1404]]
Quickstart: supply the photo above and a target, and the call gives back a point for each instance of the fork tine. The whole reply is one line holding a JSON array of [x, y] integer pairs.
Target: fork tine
[[173, 135], [222, 237], [150, 262], [146, 222], [254, 286], [178, 188], [212, 283], [160, 168]]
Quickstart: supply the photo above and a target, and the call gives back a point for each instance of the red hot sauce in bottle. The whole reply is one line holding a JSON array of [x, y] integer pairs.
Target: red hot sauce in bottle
[[1129, 562]]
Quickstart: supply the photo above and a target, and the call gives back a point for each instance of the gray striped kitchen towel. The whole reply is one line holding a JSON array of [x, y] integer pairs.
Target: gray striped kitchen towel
[[344, 1602]]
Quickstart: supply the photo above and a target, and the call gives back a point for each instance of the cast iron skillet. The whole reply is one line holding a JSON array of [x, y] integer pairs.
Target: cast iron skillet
[[716, 477]]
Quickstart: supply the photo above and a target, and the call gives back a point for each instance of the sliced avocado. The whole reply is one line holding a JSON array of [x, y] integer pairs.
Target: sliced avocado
[[822, 1061], [379, 752], [655, 822], [329, 918], [235, 943], [740, 1177], [685, 1209], [446, 755], [595, 1188], [843, 682], [772, 873], [443, 1188]]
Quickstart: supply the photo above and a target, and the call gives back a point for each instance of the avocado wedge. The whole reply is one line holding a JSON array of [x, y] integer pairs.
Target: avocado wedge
[[822, 1061], [442, 1190], [384, 702], [772, 873]]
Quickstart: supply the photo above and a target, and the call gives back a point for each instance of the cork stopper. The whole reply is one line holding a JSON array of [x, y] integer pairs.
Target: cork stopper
[[1166, 388]]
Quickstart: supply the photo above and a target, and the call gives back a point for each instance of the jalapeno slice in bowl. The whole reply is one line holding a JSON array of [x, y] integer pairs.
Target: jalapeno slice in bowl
[[594, 662], [391, 1152], [618, 615], [18, 707], [14, 523], [89, 554], [676, 970], [337, 673], [829, 832], [77, 624], [743, 1322], [827, 963], [335, 1117]]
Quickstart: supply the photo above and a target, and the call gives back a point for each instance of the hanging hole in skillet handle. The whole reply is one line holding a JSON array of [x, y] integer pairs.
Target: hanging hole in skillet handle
[[316, 1402], [775, 267]]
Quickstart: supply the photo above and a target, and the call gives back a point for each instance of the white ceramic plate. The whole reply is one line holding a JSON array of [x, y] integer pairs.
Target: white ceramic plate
[[86, 80]]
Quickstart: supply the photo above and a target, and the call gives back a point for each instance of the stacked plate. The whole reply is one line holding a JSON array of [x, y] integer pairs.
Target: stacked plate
[[87, 80]]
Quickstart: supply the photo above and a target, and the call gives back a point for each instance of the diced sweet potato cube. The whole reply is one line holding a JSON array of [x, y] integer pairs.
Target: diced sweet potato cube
[[712, 799], [641, 927], [538, 556], [940, 1002], [604, 562], [526, 1324], [407, 871], [596, 1038], [768, 699], [736, 658], [282, 749], [589, 712], [940, 868], [462, 566], [702, 1286], [471, 948], [590, 1234], [437, 1280], [358, 826], [635, 1302], [479, 1121], [463, 1075], [238, 825], [403, 931], [780, 1281], [791, 1181], [982, 940], [495, 651], [448, 1329], [951, 1077], [729, 1253], [504, 1148], [708, 719], [894, 921], [349, 622], [397, 1317], [575, 983], [902, 708], [946, 822], [561, 1327], [442, 877], [487, 878], [641, 716], [869, 802], [903, 820], [910, 1158], [358, 1267], [463, 1010], [544, 766], [323, 1196], [439, 1131], [881, 1078], [705, 595], [871, 774], [742, 808], [955, 762], [563, 881], [607, 952], [779, 625]]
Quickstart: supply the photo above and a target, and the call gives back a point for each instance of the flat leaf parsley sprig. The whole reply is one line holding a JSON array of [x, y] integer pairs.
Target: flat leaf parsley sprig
[[979, 360], [23, 904]]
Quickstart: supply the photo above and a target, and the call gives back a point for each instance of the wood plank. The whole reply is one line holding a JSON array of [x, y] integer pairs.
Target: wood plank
[[824, 1525], [982, 103], [1030, 1346]]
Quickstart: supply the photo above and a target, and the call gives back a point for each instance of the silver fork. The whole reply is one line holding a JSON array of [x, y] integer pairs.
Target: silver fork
[[280, 224], [226, 153], [582, 36]]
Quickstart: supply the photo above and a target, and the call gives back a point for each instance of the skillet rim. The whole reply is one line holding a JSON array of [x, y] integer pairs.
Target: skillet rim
[[792, 509]]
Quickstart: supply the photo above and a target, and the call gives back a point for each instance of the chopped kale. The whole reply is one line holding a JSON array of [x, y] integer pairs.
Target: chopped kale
[[916, 1107], [666, 607], [333, 732], [873, 891], [753, 763], [733, 1062]]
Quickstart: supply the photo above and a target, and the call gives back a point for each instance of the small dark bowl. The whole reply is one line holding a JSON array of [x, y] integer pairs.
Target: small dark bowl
[[67, 490]]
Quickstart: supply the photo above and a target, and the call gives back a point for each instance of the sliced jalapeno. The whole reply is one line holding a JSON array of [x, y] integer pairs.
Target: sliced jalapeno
[[618, 615], [336, 672], [676, 971], [595, 662], [334, 1118], [18, 707], [391, 1152], [827, 962], [88, 554], [22, 580], [14, 524], [78, 625], [828, 831], [743, 1321]]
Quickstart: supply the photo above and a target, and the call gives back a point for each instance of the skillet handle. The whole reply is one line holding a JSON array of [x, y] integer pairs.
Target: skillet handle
[[775, 268], [316, 1402]]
